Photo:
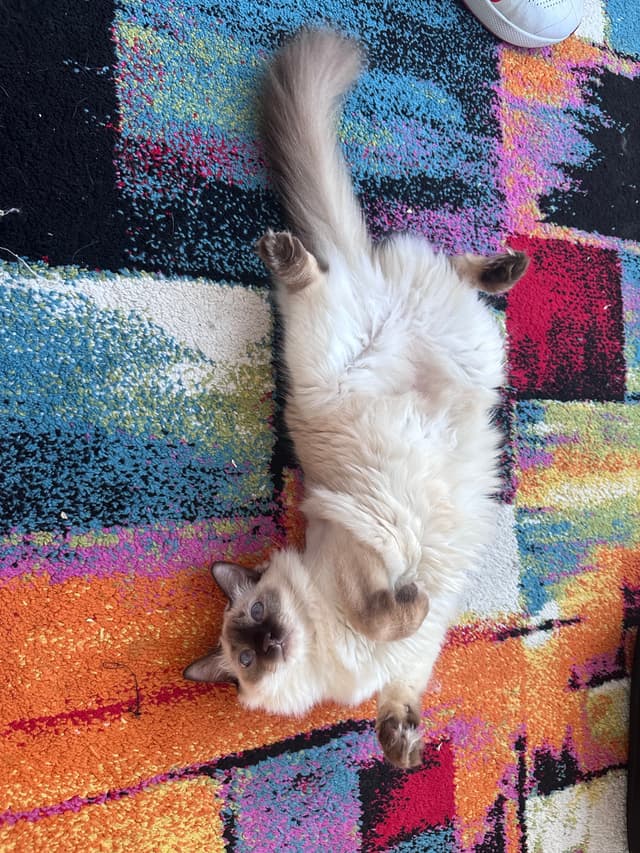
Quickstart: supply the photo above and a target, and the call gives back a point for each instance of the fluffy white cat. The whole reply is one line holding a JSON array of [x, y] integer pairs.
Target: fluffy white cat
[[393, 363]]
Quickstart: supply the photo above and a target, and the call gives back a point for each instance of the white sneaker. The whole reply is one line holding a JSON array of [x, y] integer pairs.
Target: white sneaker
[[529, 23]]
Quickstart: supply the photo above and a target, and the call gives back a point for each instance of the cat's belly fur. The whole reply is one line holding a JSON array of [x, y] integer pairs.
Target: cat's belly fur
[[407, 380], [423, 474], [392, 427]]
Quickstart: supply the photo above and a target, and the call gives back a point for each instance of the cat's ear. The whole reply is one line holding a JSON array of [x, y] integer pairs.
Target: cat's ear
[[211, 667], [233, 579], [493, 274]]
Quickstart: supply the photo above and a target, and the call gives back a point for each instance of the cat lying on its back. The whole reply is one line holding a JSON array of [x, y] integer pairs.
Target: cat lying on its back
[[393, 362]]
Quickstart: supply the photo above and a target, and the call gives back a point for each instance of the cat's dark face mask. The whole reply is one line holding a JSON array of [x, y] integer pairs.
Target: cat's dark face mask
[[256, 639]]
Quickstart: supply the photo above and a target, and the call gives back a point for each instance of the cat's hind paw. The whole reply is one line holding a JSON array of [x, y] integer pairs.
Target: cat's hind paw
[[501, 272], [287, 259], [493, 274]]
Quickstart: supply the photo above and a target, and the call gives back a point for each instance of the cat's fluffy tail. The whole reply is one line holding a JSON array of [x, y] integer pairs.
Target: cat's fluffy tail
[[300, 112]]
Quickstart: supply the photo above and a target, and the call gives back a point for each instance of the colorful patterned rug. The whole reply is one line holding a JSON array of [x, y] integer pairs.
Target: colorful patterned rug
[[141, 436]]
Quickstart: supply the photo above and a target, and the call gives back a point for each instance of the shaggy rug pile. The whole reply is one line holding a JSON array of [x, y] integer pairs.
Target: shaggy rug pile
[[141, 428]]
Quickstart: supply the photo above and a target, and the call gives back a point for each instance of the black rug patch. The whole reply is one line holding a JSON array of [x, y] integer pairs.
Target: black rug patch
[[609, 199], [60, 178]]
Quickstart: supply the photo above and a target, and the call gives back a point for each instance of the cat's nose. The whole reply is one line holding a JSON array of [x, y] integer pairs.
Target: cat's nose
[[269, 641]]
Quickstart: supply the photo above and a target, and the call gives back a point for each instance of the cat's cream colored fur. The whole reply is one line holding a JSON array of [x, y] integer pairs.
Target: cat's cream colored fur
[[393, 362]]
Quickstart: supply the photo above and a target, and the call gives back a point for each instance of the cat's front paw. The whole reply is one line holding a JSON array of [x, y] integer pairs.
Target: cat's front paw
[[393, 614], [398, 730]]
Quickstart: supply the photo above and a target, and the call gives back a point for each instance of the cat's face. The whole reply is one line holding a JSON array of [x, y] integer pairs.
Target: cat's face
[[263, 644]]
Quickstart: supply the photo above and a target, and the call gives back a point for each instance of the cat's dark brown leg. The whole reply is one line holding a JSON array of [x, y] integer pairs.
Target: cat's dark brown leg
[[494, 274], [398, 725], [376, 605], [388, 615], [288, 260]]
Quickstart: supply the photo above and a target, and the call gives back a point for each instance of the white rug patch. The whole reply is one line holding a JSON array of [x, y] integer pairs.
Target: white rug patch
[[589, 817], [494, 588]]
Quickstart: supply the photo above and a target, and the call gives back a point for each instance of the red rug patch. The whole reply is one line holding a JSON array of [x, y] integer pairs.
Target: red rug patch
[[565, 326], [405, 803]]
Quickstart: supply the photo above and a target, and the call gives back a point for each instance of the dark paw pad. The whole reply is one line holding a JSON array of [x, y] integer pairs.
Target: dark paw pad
[[503, 271], [400, 738], [414, 601], [407, 594], [287, 259], [280, 249]]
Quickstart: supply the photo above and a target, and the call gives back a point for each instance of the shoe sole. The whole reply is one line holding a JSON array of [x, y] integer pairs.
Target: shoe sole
[[496, 23]]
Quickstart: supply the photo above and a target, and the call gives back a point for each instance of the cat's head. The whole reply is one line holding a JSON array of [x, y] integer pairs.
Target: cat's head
[[265, 642]]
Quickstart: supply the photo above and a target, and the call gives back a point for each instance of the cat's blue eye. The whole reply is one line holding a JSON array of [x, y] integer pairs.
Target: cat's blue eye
[[246, 657], [257, 611]]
